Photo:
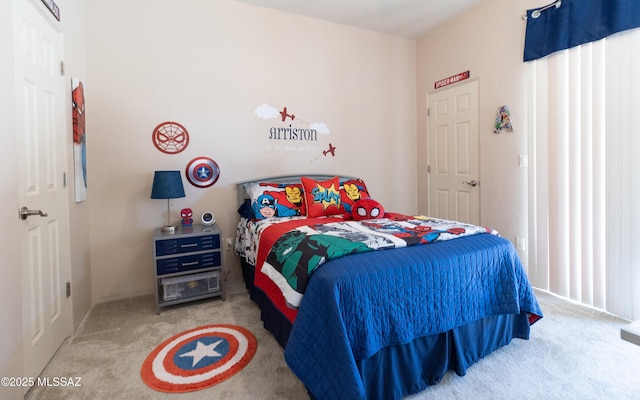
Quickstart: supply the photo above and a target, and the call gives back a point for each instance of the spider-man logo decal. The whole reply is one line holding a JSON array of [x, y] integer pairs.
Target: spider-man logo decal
[[170, 137]]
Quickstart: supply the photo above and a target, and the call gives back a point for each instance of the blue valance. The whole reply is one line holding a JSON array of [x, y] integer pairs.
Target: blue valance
[[574, 22]]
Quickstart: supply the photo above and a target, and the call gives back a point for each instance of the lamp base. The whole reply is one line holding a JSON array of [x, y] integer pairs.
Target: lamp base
[[168, 229]]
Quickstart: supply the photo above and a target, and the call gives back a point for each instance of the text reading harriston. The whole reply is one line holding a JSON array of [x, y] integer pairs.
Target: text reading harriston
[[303, 134]]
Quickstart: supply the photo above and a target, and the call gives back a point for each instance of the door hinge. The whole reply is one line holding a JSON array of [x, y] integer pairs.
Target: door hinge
[[68, 289], [61, 67], [64, 179], [428, 169], [428, 111]]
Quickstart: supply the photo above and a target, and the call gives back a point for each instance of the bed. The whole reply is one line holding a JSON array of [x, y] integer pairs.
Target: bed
[[374, 308]]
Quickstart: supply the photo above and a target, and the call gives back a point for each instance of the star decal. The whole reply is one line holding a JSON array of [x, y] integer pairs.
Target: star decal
[[203, 172], [201, 351]]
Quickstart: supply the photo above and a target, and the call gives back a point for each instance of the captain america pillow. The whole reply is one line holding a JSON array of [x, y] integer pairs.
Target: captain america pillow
[[269, 200]]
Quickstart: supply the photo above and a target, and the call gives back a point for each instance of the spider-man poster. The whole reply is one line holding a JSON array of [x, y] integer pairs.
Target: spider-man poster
[[79, 139]]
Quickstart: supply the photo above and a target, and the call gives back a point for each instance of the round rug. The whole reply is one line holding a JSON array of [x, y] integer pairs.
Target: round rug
[[198, 358]]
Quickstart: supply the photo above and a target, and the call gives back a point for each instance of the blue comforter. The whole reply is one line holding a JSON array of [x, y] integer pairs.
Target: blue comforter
[[355, 305]]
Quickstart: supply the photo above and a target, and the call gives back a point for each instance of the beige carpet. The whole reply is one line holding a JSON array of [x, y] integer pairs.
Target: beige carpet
[[574, 353]]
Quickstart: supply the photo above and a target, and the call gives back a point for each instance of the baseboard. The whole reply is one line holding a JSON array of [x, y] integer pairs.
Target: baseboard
[[631, 333]]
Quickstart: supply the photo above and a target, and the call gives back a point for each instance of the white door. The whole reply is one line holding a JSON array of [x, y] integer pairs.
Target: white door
[[454, 191], [42, 158]]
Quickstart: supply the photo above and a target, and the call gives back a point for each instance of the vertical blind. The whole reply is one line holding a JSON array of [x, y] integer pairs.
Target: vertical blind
[[585, 186]]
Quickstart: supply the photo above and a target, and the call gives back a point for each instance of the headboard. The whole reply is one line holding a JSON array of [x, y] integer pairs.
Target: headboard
[[243, 195]]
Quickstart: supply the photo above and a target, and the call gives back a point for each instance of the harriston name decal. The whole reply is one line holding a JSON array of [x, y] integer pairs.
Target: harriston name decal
[[307, 133], [293, 134]]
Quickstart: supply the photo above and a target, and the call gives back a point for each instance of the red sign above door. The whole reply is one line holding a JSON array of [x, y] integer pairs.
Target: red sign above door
[[452, 79]]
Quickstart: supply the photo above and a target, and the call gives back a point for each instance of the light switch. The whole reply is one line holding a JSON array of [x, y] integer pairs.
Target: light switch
[[523, 161]]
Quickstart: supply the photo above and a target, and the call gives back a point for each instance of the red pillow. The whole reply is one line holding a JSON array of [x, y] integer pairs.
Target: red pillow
[[367, 209], [322, 197], [351, 191]]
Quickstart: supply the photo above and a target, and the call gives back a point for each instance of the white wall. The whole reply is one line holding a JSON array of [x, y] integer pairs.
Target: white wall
[[488, 40], [73, 27], [208, 65]]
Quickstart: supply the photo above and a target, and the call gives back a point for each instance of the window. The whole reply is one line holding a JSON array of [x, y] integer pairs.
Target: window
[[584, 180]]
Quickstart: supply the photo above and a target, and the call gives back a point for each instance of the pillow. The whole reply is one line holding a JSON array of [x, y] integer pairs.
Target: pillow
[[245, 210], [351, 191], [322, 197], [275, 200], [366, 209]]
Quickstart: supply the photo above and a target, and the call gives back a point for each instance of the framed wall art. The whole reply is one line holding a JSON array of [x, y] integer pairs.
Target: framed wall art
[[79, 139]]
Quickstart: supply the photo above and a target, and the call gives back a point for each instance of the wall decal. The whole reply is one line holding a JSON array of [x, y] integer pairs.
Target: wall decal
[[503, 120], [79, 139], [170, 137], [266, 112], [308, 131], [202, 172], [321, 127], [332, 150], [295, 134], [284, 115]]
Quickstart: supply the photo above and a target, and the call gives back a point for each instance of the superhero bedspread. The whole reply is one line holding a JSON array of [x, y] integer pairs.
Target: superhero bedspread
[[298, 252], [355, 302]]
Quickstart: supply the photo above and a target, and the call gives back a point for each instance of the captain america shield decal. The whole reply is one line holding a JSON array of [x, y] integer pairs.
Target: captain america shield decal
[[198, 358], [202, 172]]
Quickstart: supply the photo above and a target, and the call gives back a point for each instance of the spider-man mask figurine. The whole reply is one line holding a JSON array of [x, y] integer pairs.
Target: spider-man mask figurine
[[186, 214]]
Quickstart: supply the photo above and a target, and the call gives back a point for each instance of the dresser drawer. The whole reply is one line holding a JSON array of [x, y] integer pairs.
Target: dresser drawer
[[188, 263], [187, 245], [192, 285]]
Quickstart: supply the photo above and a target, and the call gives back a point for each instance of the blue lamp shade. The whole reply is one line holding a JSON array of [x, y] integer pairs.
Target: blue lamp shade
[[167, 185]]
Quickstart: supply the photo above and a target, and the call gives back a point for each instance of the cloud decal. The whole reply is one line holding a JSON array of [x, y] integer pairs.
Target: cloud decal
[[320, 127], [265, 111]]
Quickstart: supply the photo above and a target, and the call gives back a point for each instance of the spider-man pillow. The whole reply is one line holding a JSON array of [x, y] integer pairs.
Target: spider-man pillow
[[351, 191], [270, 200], [366, 208], [322, 197]]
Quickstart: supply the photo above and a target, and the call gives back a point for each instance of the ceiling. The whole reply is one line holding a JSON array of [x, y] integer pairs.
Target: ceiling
[[406, 18]]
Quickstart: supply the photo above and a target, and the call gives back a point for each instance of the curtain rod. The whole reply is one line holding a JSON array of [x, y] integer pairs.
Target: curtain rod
[[536, 13]]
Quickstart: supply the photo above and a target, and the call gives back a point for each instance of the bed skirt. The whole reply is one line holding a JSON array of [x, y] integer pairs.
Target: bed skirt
[[397, 371]]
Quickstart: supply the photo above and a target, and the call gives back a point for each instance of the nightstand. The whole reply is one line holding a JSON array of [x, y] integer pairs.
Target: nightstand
[[187, 265]]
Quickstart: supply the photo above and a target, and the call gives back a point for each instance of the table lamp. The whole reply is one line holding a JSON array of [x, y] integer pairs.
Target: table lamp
[[167, 185]]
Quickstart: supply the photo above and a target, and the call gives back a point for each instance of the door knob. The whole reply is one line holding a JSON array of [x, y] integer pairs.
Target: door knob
[[472, 183], [25, 212]]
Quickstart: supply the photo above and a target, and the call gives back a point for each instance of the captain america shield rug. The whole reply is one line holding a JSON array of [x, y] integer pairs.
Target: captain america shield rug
[[198, 358]]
